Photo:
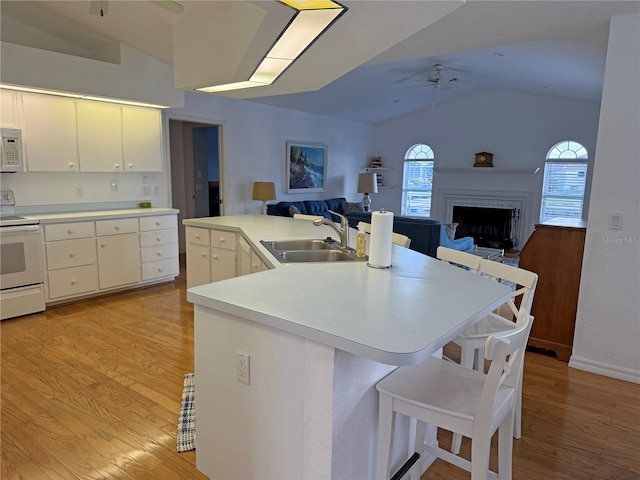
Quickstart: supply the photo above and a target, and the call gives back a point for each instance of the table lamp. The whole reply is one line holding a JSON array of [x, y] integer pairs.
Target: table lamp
[[264, 191], [367, 183]]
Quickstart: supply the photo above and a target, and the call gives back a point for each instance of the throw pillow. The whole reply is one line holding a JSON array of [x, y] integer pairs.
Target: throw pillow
[[293, 210], [351, 207], [450, 230]]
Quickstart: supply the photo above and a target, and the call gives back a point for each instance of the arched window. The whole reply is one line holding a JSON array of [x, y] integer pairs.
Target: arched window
[[565, 179], [417, 180]]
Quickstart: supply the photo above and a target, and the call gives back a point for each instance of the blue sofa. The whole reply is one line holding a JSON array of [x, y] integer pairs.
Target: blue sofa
[[425, 234], [308, 207]]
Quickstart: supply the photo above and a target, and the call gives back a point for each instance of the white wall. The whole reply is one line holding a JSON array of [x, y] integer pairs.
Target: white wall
[[518, 129], [254, 140], [607, 335]]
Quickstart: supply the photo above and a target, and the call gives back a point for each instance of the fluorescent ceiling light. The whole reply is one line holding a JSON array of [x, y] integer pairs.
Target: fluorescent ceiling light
[[82, 96], [230, 86], [312, 18]]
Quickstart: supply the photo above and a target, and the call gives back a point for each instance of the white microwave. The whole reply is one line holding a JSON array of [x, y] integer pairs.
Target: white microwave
[[11, 154]]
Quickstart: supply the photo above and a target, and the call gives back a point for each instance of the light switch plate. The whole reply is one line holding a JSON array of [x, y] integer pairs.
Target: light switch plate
[[615, 221]]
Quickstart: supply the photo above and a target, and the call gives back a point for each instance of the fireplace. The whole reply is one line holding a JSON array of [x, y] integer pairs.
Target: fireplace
[[489, 227], [494, 219]]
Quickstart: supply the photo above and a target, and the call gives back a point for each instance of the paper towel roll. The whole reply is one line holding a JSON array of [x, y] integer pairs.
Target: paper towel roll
[[380, 242]]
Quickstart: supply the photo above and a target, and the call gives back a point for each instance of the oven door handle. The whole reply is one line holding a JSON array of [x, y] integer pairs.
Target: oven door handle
[[17, 230]]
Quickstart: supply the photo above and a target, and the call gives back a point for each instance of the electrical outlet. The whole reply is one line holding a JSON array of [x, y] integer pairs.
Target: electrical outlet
[[156, 191], [146, 190], [242, 367], [114, 185], [80, 192]]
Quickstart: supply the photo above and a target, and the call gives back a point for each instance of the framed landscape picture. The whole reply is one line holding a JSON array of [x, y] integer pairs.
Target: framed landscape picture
[[306, 167]]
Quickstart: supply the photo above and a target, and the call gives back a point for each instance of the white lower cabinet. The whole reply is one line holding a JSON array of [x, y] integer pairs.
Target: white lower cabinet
[[198, 256], [159, 246], [74, 281], [70, 253], [223, 264], [211, 256], [248, 259], [118, 260], [89, 257], [214, 255]]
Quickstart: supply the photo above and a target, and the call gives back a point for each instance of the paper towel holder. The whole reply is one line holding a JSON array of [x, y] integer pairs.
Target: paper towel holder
[[379, 267]]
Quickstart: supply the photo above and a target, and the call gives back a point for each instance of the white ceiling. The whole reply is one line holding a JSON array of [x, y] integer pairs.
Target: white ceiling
[[536, 47]]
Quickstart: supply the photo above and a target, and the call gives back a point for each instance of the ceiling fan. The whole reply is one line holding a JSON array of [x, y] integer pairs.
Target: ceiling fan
[[101, 7], [436, 79]]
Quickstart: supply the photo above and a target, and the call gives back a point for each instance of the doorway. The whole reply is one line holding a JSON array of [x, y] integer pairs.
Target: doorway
[[196, 171]]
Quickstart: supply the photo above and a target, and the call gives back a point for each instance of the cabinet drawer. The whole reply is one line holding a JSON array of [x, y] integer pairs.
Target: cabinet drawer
[[159, 237], [66, 231], [158, 222], [160, 268], [199, 236], [70, 253], [72, 281], [151, 254], [226, 240], [116, 227]]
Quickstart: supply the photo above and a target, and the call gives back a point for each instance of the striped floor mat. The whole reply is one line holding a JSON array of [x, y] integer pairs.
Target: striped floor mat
[[187, 416]]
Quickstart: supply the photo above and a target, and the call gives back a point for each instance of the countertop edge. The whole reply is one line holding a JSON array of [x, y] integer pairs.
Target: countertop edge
[[46, 218]]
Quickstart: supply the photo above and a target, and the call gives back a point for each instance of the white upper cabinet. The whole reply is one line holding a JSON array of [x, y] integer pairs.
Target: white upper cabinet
[[100, 137], [67, 135], [142, 136], [50, 133], [8, 109]]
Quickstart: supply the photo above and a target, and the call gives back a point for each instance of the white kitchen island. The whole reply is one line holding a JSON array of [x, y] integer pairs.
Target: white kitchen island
[[319, 337]]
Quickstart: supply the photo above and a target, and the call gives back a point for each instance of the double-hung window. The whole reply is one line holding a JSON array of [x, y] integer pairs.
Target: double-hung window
[[565, 179], [417, 181]]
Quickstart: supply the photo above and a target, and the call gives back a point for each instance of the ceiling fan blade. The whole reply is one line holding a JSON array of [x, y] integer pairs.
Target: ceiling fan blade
[[170, 5], [99, 7]]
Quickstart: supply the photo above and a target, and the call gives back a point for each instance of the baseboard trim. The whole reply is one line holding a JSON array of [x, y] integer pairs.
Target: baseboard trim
[[605, 369]]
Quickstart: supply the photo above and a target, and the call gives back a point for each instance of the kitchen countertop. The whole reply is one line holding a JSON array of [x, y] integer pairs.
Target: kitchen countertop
[[397, 316], [61, 217]]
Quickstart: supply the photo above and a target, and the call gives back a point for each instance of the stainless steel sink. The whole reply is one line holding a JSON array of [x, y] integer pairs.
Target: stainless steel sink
[[300, 244], [317, 256], [309, 250]]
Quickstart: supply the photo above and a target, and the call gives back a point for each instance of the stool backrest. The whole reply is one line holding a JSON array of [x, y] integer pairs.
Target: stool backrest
[[506, 352], [396, 238], [525, 282], [456, 257]]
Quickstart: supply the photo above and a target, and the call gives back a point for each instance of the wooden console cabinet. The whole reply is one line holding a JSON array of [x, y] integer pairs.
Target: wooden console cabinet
[[554, 251]]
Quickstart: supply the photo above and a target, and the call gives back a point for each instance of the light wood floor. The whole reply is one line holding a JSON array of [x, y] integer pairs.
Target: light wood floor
[[91, 390]]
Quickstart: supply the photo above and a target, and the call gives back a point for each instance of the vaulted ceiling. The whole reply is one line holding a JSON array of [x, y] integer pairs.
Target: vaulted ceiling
[[373, 64]]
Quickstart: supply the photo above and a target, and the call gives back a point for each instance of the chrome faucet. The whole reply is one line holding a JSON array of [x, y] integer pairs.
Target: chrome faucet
[[342, 231]]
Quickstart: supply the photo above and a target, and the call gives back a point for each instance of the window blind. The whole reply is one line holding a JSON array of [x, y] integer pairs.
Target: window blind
[[417, 183], [563, 190]]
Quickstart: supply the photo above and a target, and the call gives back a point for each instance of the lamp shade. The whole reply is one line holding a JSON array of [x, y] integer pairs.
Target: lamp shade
[[264, 191], [367, 183]]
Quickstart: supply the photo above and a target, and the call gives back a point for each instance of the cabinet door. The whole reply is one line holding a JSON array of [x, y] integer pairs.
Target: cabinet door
[[118, 260], [142, 136], [198, 265], [244, 257], [9, 109], [50, 133], [100, 137], [223, 264]]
